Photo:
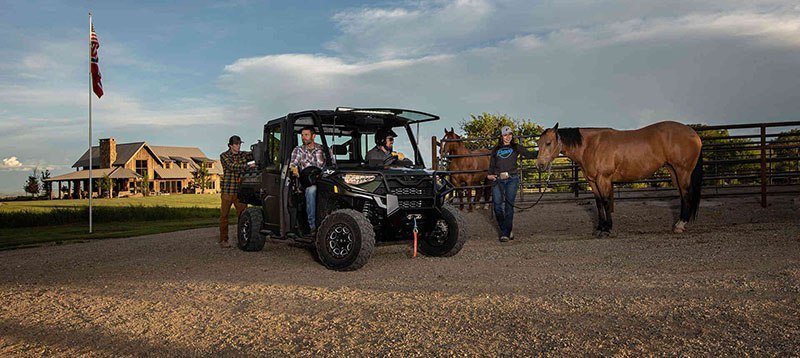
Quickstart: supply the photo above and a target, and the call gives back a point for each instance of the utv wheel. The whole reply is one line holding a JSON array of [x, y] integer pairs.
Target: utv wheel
[[345, 240], [448, 235], [249, 230]]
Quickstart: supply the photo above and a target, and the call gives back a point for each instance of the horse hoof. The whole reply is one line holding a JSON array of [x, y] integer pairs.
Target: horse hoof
[[679, 227]]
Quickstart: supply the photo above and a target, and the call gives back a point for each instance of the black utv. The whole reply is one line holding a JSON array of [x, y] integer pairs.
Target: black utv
[[358, 204]]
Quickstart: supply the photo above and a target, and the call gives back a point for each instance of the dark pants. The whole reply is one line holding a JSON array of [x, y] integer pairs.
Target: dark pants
[[504, 192]]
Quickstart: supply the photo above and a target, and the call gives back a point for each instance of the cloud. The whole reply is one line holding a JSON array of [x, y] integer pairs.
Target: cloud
[[624, 67], [10, 162]]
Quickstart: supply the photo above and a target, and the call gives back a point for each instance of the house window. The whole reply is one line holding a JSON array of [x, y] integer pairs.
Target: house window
[[141, 167]]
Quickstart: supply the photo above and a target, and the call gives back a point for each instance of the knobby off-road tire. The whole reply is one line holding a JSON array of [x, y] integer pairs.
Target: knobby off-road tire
[[436, 244], [249, 230], [345, 240]]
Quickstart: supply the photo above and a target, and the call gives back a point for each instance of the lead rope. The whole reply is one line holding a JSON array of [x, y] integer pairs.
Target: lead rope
[[546, 184]]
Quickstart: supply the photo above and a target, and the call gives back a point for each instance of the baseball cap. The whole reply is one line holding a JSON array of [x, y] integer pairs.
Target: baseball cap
[[234, 140], [506, 130]]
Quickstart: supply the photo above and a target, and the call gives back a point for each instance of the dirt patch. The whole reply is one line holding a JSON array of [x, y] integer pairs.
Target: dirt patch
[[730, 285]]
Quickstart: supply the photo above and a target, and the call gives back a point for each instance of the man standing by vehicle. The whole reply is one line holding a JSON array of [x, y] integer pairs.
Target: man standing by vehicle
[[308, 154], [234, 163], [503, 171], [382, 154]]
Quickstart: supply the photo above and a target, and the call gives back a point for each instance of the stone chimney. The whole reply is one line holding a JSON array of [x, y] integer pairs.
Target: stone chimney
[[108, 152]]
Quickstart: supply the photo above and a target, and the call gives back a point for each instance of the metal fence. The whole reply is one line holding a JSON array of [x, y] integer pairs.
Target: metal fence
[[739, 159]]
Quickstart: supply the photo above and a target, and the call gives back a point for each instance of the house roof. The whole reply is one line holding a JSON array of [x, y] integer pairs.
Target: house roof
[[124, 173], [114, 173], [172, 173], [124, 153]]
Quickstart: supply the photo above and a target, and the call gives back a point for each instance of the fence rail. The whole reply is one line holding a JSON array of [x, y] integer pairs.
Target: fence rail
[[758, 159]]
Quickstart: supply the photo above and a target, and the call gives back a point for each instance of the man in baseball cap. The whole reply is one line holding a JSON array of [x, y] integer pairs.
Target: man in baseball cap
[[234, 163]]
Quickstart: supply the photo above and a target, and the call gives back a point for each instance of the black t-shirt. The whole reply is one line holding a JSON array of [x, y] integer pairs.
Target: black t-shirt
[[504, 158]]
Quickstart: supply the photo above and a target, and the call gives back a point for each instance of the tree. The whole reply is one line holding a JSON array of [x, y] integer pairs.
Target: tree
[[144, 185], [201, 177], [486, 125], [106, 185], [46, 186], [785, 147], [32, 186], [718, 148]]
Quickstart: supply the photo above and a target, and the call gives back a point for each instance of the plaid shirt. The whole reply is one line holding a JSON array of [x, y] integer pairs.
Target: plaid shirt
[[233, 165], [302, 157]]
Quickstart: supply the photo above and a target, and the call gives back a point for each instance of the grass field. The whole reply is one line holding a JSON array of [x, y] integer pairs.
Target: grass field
[[180, 201], [32, 223]]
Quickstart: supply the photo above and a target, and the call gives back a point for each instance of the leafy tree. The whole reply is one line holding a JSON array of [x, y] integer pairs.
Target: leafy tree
[[107, 184], [718, 146], [201, 177], [32, 185], [47, 187], [786, 145], [144, 185], [486, 125]]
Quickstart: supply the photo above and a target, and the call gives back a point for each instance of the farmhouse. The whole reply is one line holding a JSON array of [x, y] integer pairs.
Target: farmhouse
[[129, 166]]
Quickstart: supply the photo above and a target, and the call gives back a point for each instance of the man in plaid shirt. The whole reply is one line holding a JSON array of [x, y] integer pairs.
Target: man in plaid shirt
[[309, 154], [234, 163]]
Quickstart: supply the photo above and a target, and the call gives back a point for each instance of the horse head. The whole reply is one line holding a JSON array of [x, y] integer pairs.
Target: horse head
[[447, 147], [549, 146]]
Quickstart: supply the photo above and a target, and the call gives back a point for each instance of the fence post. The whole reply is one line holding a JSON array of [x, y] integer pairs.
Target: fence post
[[434, 153], [763, 166], [576, 188]]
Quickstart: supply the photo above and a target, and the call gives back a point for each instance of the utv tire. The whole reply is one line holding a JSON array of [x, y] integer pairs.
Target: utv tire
[[345, 240], [438, 243], [248, 230]]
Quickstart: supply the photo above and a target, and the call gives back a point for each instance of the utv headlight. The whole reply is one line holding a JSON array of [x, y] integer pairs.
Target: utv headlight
[[358, 179]]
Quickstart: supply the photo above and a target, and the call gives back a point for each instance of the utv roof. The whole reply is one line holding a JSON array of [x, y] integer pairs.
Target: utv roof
[[366, 119]]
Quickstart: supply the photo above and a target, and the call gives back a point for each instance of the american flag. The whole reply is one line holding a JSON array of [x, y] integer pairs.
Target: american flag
[[97, 85]]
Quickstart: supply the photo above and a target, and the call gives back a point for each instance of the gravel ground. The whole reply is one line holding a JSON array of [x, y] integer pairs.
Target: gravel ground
[[729, 286]]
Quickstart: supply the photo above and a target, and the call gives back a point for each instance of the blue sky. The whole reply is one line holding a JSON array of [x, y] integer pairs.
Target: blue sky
[[193, 73]]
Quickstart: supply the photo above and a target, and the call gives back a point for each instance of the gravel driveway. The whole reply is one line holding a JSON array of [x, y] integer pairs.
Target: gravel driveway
[[730, 286]]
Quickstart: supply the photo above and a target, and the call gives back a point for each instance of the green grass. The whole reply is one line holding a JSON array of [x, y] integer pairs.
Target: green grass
[[31, 223], [35, 236], [184, 200]]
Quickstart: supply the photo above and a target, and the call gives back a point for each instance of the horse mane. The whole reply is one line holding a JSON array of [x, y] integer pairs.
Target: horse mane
[[571, 137]]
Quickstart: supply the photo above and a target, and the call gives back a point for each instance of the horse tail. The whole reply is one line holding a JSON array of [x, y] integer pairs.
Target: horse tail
[[695, 185]]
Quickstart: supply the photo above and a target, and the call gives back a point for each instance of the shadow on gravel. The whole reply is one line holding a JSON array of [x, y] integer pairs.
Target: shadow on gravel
[[62, 337]]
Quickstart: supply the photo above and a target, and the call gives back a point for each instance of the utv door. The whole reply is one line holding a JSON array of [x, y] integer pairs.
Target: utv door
[[271, 178]]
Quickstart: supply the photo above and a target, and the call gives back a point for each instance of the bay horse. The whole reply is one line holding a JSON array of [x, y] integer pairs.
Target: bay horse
[[607, 156], [477, 162]]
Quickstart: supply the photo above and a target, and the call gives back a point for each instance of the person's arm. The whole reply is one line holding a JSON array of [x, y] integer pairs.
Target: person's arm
[[230, 164], [294, 160]]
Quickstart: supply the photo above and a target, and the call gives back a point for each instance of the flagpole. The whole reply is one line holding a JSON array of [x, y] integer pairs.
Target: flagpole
[[90, 122]]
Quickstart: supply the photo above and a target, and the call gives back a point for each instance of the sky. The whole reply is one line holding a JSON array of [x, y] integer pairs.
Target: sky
[[194, 73]]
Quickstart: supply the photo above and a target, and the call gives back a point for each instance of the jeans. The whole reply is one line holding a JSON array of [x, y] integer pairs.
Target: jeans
[[225, 208], [503, 211], [311, 206]]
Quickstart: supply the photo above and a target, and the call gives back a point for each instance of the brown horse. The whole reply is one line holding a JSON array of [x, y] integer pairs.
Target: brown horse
[[607, 156], [480, 161]]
